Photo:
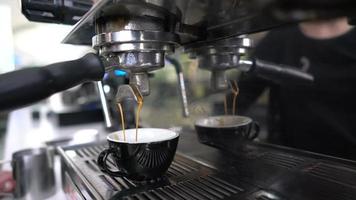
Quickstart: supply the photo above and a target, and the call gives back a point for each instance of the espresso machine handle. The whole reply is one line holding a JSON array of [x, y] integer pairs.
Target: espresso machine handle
[[277, 73], [23, 87]]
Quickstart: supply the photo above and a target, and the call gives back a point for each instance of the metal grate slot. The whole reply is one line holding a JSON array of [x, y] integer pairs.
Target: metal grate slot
[[191, 192], [200, 191], [96, 150], [130, 182], [150, 195], [159, 195], [169, 194], [177, 170], [115, 183], [124, 183], [79, 153], [99, 148], [181, 167], [135, 197], [203, 189], [141, 197], [184, 165], [95, 163], [171, 172], [92, 151], [84, 153], [224, 184], [107, 183], [219, 189], [89, 152], [92, 166], [339, 174], [207, 189], [181, 195], [147, 195], [282, 160]]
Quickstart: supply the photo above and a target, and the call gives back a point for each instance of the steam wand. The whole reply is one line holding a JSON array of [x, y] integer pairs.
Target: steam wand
[[181, 85], [275, 72]]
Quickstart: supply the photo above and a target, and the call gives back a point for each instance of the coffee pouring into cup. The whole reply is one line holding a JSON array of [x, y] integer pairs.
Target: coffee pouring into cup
[[145, 159], [139, 154]]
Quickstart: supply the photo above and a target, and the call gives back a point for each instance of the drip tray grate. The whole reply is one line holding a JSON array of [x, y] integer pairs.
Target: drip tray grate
[[185, 179]]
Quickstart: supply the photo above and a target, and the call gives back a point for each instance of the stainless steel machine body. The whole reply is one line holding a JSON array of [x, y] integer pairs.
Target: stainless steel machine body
[[136, 35]]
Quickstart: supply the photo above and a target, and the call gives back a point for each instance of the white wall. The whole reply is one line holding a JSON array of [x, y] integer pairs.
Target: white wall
[[41, 44], [7, 55]]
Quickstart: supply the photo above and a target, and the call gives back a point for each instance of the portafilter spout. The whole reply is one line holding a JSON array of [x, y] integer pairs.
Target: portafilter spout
[[128, 92]]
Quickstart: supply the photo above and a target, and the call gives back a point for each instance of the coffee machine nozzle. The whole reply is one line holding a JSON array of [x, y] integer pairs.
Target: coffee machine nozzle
[[218, 57]]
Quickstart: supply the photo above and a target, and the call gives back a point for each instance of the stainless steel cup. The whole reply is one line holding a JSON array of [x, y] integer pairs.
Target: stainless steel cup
[[33, 171]]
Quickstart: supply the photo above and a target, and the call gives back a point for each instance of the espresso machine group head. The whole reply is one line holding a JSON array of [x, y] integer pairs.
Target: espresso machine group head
[[135, 37], [218, 57]]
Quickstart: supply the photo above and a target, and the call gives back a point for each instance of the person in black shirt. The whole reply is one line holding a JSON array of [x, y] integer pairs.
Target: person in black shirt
[[319, 118]]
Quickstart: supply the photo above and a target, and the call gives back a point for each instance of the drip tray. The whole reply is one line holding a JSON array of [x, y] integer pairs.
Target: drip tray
[[185, 179], [256, 172]]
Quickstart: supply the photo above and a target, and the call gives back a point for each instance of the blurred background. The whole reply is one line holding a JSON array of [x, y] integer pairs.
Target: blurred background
[[294, 113], [30, 44], [26, 44]]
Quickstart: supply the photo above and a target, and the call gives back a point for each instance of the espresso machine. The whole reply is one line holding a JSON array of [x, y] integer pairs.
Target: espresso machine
[[135, 36]]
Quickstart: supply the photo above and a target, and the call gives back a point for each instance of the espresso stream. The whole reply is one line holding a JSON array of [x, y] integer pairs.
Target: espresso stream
[[235, 92], [122, 121], [138, 112]]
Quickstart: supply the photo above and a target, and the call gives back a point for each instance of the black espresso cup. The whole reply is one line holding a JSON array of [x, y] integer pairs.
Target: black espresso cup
[[226, 131], [145, 159]]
